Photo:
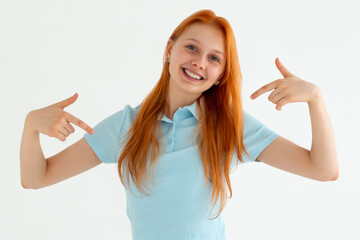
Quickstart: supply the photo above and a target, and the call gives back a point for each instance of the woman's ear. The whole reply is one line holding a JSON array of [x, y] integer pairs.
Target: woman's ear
[[168, 49]]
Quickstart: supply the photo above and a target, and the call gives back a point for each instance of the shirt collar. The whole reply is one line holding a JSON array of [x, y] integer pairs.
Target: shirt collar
[[192, 108]]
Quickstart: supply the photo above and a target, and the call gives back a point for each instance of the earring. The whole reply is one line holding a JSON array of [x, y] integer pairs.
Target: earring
[[217, 83], [166, 59]]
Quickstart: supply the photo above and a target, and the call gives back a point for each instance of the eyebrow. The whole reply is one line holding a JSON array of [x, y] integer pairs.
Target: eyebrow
[[217, 51]]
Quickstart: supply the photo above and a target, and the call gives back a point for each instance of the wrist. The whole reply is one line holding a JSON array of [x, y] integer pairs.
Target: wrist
[[29, 121], [315, 96]]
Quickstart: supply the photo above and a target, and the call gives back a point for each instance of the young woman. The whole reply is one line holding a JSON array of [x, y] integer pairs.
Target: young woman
[[176, 149]]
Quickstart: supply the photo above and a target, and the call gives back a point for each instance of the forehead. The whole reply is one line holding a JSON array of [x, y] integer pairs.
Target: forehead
[[208, 35]]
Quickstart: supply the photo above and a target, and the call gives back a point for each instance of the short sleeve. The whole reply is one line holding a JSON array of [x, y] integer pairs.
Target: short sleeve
[[256, 138], [105, 140]]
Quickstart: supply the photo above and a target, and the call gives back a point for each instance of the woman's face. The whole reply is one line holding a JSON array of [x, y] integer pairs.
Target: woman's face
[[197, 58]]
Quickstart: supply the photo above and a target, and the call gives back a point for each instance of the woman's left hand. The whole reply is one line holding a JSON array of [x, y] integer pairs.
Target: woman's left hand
[[289, 89]]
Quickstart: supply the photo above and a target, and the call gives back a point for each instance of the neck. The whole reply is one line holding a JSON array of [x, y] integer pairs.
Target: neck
[[174, 104], [177, 99]]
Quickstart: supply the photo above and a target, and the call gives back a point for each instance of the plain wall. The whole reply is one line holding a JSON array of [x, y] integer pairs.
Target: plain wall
[[110, 53]]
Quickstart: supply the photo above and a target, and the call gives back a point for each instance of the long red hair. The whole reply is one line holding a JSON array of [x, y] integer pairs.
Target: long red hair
[[222, 120]]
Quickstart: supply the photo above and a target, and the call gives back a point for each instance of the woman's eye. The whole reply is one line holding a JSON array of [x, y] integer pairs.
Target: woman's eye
[[214, 58], [191, 47]]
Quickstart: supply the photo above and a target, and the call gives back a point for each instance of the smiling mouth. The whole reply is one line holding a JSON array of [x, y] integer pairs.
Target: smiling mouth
[[191, 75]]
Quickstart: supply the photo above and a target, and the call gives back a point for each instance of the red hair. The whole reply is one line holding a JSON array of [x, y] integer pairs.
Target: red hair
[[222, 120]]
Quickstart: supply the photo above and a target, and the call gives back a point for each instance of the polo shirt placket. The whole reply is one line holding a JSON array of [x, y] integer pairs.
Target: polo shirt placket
[[180, 114]]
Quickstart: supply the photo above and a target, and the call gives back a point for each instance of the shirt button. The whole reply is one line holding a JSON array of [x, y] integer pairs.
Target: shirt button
[[170, 141]]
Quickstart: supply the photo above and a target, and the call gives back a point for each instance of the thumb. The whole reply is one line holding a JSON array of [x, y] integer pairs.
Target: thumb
[[64, 103]]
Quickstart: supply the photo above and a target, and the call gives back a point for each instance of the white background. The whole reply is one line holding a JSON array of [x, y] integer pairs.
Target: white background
[[110, 53]]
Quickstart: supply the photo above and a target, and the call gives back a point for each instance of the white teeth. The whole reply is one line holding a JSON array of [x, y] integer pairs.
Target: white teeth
[[192, 75]]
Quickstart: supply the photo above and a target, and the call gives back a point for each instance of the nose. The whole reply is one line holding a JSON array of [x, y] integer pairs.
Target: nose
[[199, 62]]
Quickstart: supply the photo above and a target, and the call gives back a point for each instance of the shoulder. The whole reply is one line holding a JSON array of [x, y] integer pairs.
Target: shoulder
[[251, 122], [118, 120]]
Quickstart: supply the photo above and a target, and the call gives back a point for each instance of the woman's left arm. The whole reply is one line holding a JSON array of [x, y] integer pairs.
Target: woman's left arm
[[321, 161]]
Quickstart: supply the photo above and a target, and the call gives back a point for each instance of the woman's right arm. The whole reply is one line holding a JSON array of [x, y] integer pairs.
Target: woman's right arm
[[38, 172]]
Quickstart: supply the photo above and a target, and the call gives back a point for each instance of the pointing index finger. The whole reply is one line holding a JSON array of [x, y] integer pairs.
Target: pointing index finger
[[80, 123], [264, 89]]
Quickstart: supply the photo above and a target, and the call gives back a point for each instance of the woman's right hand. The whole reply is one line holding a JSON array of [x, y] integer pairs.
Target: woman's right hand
[[54, 121]]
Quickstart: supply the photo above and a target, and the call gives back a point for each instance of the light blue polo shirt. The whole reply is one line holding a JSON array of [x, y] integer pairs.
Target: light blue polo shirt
[[179, 204]]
